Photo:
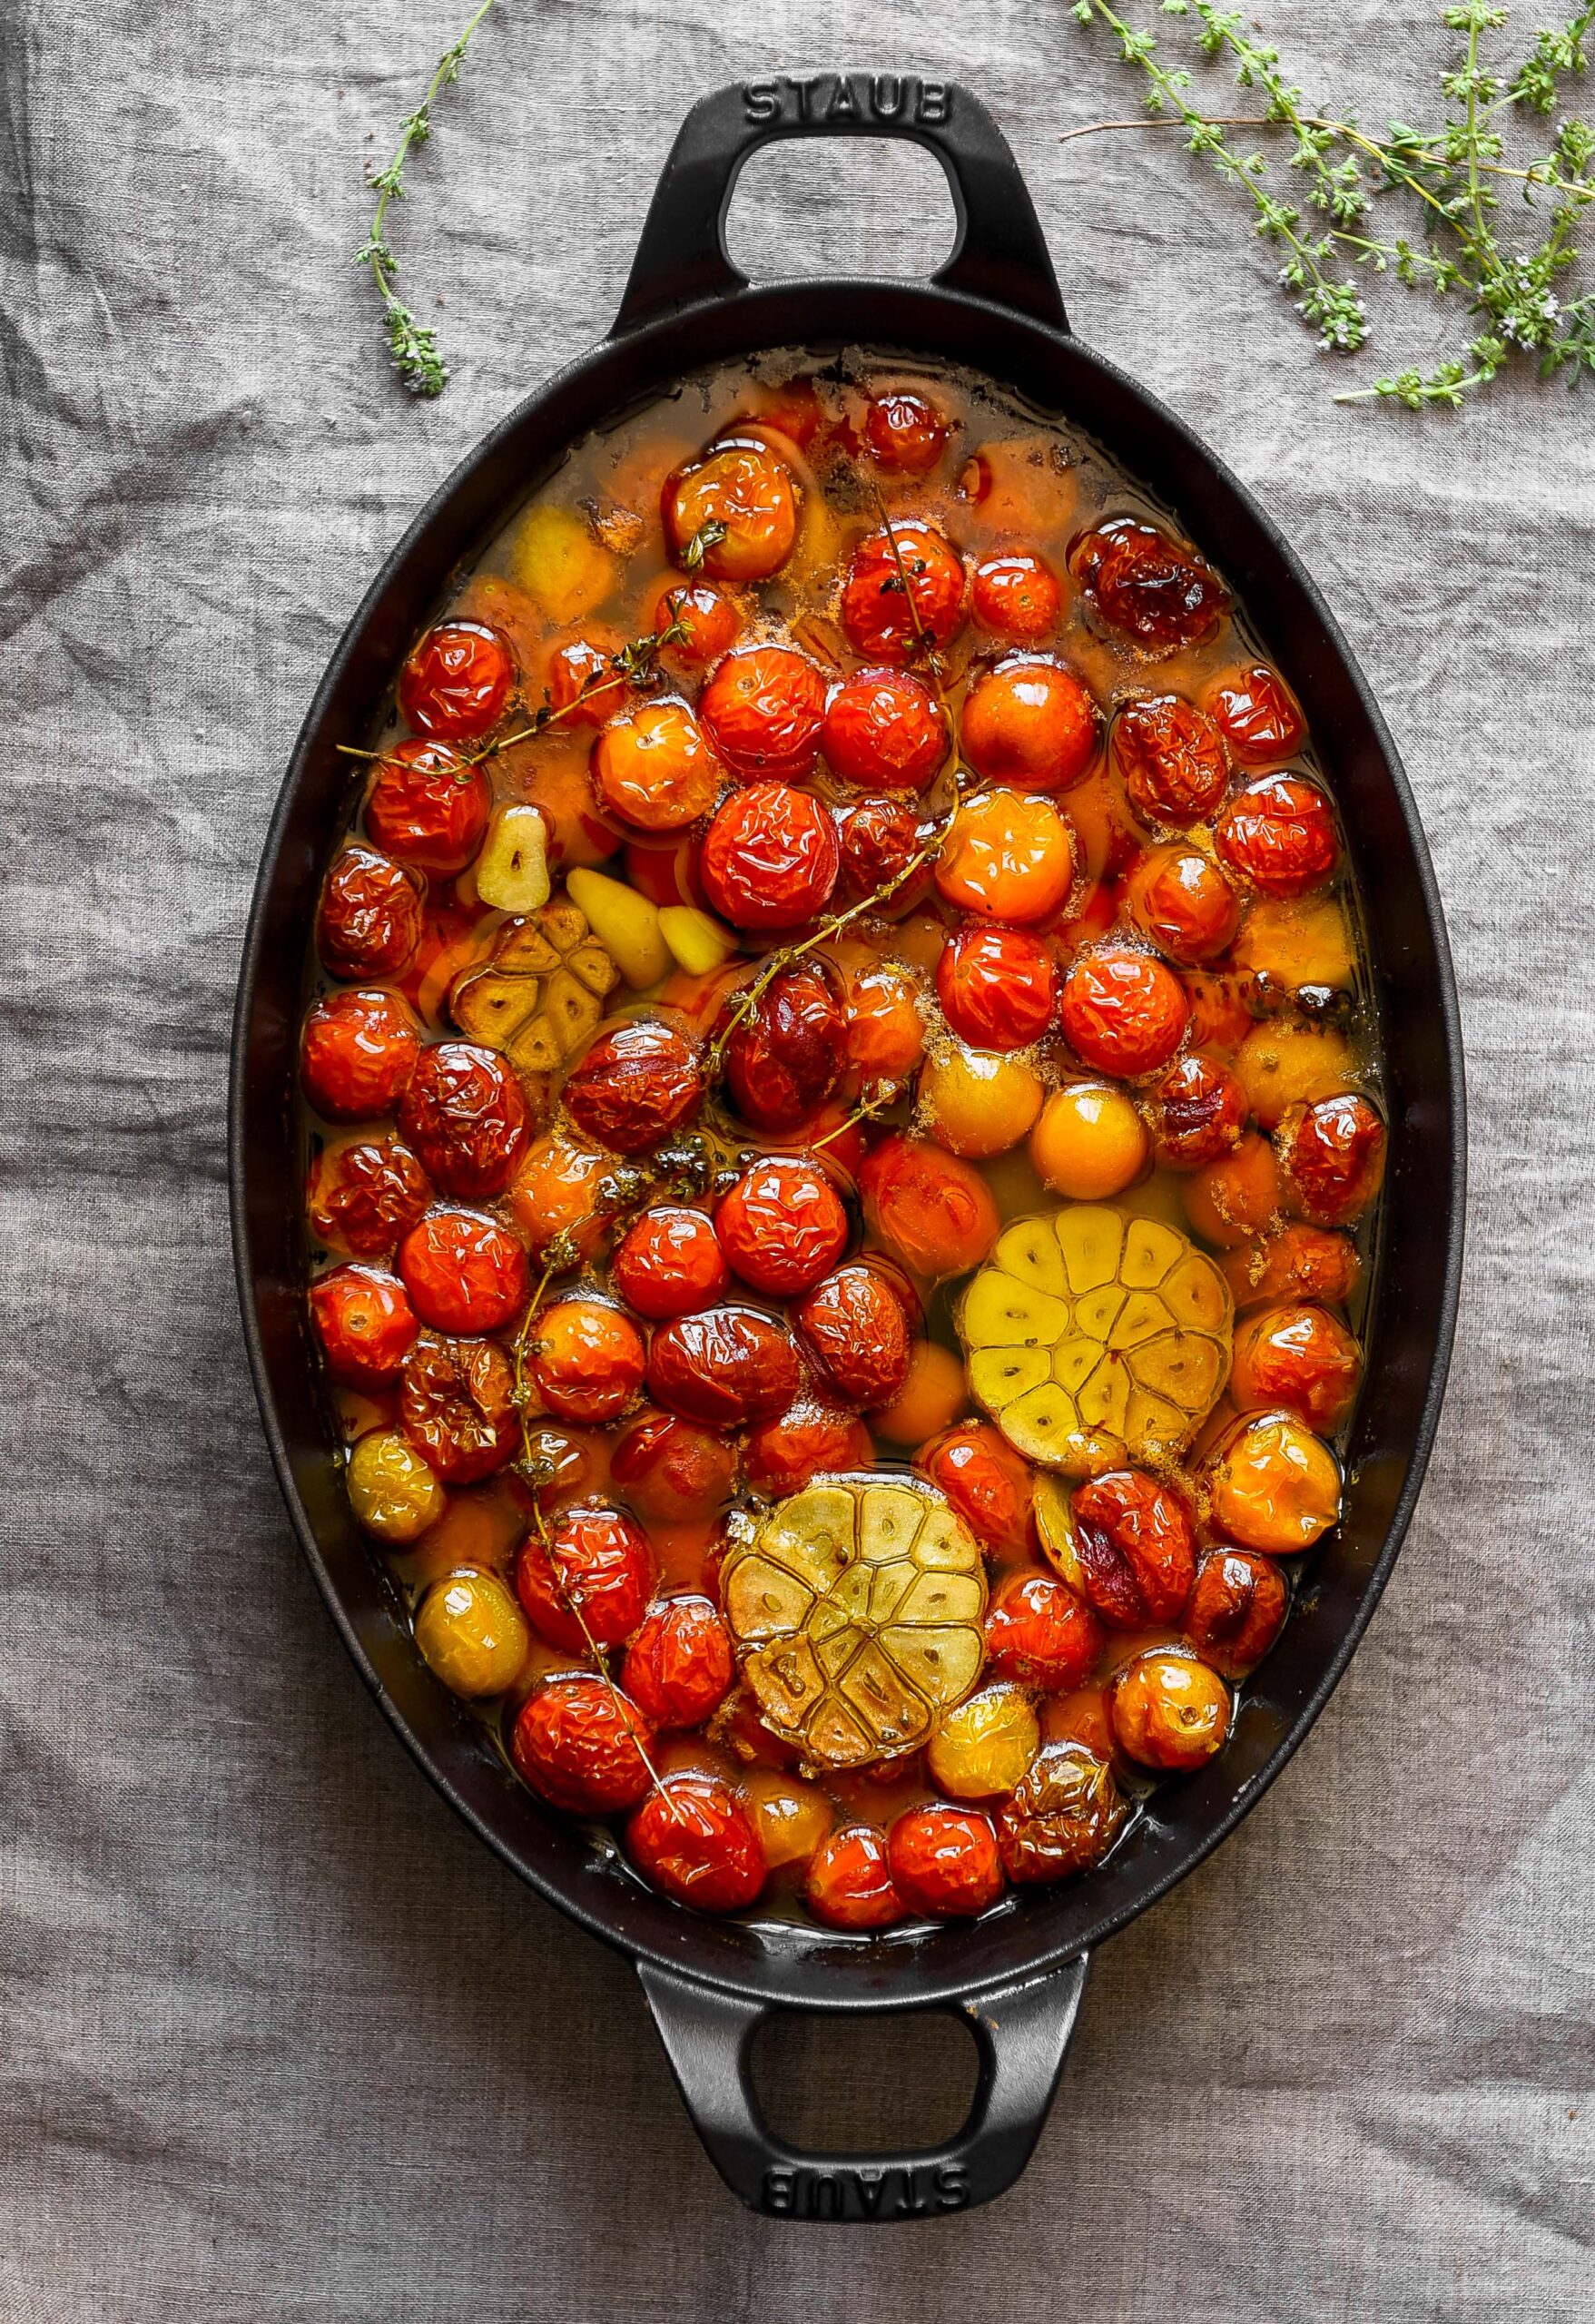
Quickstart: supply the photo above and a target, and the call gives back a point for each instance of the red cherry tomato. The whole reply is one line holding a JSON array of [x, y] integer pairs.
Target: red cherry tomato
[[1257, 715], [464, 1272], [709, 617], [1122, 1012], [582, 1745], [1148, 585], [943, 1861], [784, 1455], [356, 1055], [636, 1086], [880, 838], [770, 859], [900, 592], [457, 1403], [465, 1115], [785, 1056], [1237, 1608], [1016, 594], [680, 1665], [904, 431], [457, 681], [365, 1198], [987, 1482], [885, 730], [931, 1210], [587, 1360], [725, 1367], [1040, 1634], [1279, 833], [1136, 1548], [1334, 1157], [669, 1263], [1180, 898], [1199, 1112], [849, 1884], [782, 1225], [1298, 1359], [427, 807], [365, 1323], [369, 919], [576, 673], [763, 710], [696, 1843], [854, 1326], [595, 1567], [671, 1472], [1171, 758], [998, 987], [1029, 722]]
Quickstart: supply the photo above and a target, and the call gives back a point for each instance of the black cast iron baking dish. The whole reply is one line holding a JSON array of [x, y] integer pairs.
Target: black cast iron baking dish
[[1016, 1978]]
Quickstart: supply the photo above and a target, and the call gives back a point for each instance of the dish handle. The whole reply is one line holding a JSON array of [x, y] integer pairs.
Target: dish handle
[[1023, 2035], [999, 254]]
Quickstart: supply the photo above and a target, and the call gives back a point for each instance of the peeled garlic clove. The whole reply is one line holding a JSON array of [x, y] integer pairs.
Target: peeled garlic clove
[[699, 943], [627, 922], [512, 870]]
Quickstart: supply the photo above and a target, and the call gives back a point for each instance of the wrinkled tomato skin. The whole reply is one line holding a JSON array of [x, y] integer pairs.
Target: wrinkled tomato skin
[[1235, 1198], [1297, 1359], [885, 730], [1298, 1263], [1009, 855], [595, 1560], [790, 1451], [653, 768], [1180, 899], [943, 1861], [358, 1054], [1030, 723], [931, 1211], [427, 808], [709, 617], [575, 1466], [457, 681], [365, 1198], [1016, 595], [1148, 585], [670, 1470], [465, 1273], [849, 1884], [739, 484], [855, 1328], [680, 1665], [465, 1115], [1257, 717], [1171, 758], [458, 1404], [581, 1746], [885, 1032], [587, 1360], [1333, 1155], [782, 1225], [875, 604], [557, 1190], [369, 919], [1199, 1112], [669, 1263], [769, 858], [878, 839], [725, 1367], [786, 1055], [576, 671], [904, 431], [636, 1086], [764, 711], [1168, 1709], [1038, 1633], [698, 1844], [987, 1483], [1136, 1548], [1237, 1609], [366, 1325], [1122, 1011], [1278, 833], [1065, 1816], [998, 987]]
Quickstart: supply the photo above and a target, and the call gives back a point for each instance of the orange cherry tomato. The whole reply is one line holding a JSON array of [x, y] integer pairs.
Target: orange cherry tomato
[[1122, 1011], [1016, 594], [1296, 1359], [1029, 722], [1169, 1709], [1008, 855], [587, 1360], [1179, 898], [934, 1212], [1235, 1198], [654, 769], [741, 485]]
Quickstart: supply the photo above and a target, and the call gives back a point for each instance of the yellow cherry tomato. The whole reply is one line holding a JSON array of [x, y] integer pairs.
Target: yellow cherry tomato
[[792, 1817], [1273, 1485], [391, 1491], [977, 1103], [473, 1633], [1281, 1065], [984, 1746]]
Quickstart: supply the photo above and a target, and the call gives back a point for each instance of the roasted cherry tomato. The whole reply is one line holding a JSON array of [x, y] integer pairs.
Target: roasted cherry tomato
[[1238, 1196], [885, 730], [558, 1189], [654, 769], [1334, 1157], [986, 1482], [808, 1440], [636, 1086], [885, 1031], [669, 1263], [1064, 1817], [1180, 898], [849, 1884], [1199, 1111], [879, 841], [594, 1567], [457, 1403], [578, 687], [1279, 834], [1133, 1542], [1171, 757], [1273, 1486], [901, 592], [1122, 1011], [356, 1055], [694, 1841], [671, 1472], [1040, 1634], [465, 1115], [931, 1209], [1298, 1263], [764, 710], [1029, 722], [1089, 1141], [1237, 1608], [725, 1367], [785, 1056], [1297, 1359], [769, 858], [428, 806], [365, 1198], [707, 619], [782, 1225], [743, 486], [464, 1272], [904, 431], [998, 987], [854, 1326], [471, 1634], [1257, 715], [943, 1861], [680, 1665], [1169, 1709], [1016, 594], [1009, 856], [369, 921], [587, 1359], [1148, 585], [582, 1745], [365, 1323], [457, 681]]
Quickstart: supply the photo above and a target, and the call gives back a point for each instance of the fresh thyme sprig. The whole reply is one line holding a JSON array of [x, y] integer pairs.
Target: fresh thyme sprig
[[412, 345]]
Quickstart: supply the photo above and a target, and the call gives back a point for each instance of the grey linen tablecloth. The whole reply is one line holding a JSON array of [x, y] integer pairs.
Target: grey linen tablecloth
[[278, 2039]]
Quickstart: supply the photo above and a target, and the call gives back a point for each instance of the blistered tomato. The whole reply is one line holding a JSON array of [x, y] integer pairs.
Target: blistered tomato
[[1016, 594], [1008, 855], [636, 1086], [366, 1325], [985, 1480], [1134, 1547], [785, 1056], [883, 844], [934, 1212], [1180, 898], [943, 1861], [764, 709], [1199, 1112], [428, 806], [358, 1053], [654, 770], [998, 987], [901, 591], [1298, 1263], [1064, 1817], [1171, 757], [392, 1491], [808, 1440], [769, 858], [558, 1191], [457, 681], [707, 623], [465, 1115], [745, 490], [1297, 1359], [1148, 585], [680, 1665], [582, 1745], [670, 1470], [1122, 1011], [694, 1841], [849, 1884], [470, 1632], [904, 431], [587, 1359], [457, 1403], [1258, 716], [669, 1263], [853, 1326], [1237, 1608], [369, 919], [885, 730], [1038, 1632], [1168, 1709], [366, 1197], [594, 1567], [464, 1272], [1334, 1157], [1029, 722], [1279, 833], [1273, 1486], [725, 1367], [782, 1225]]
